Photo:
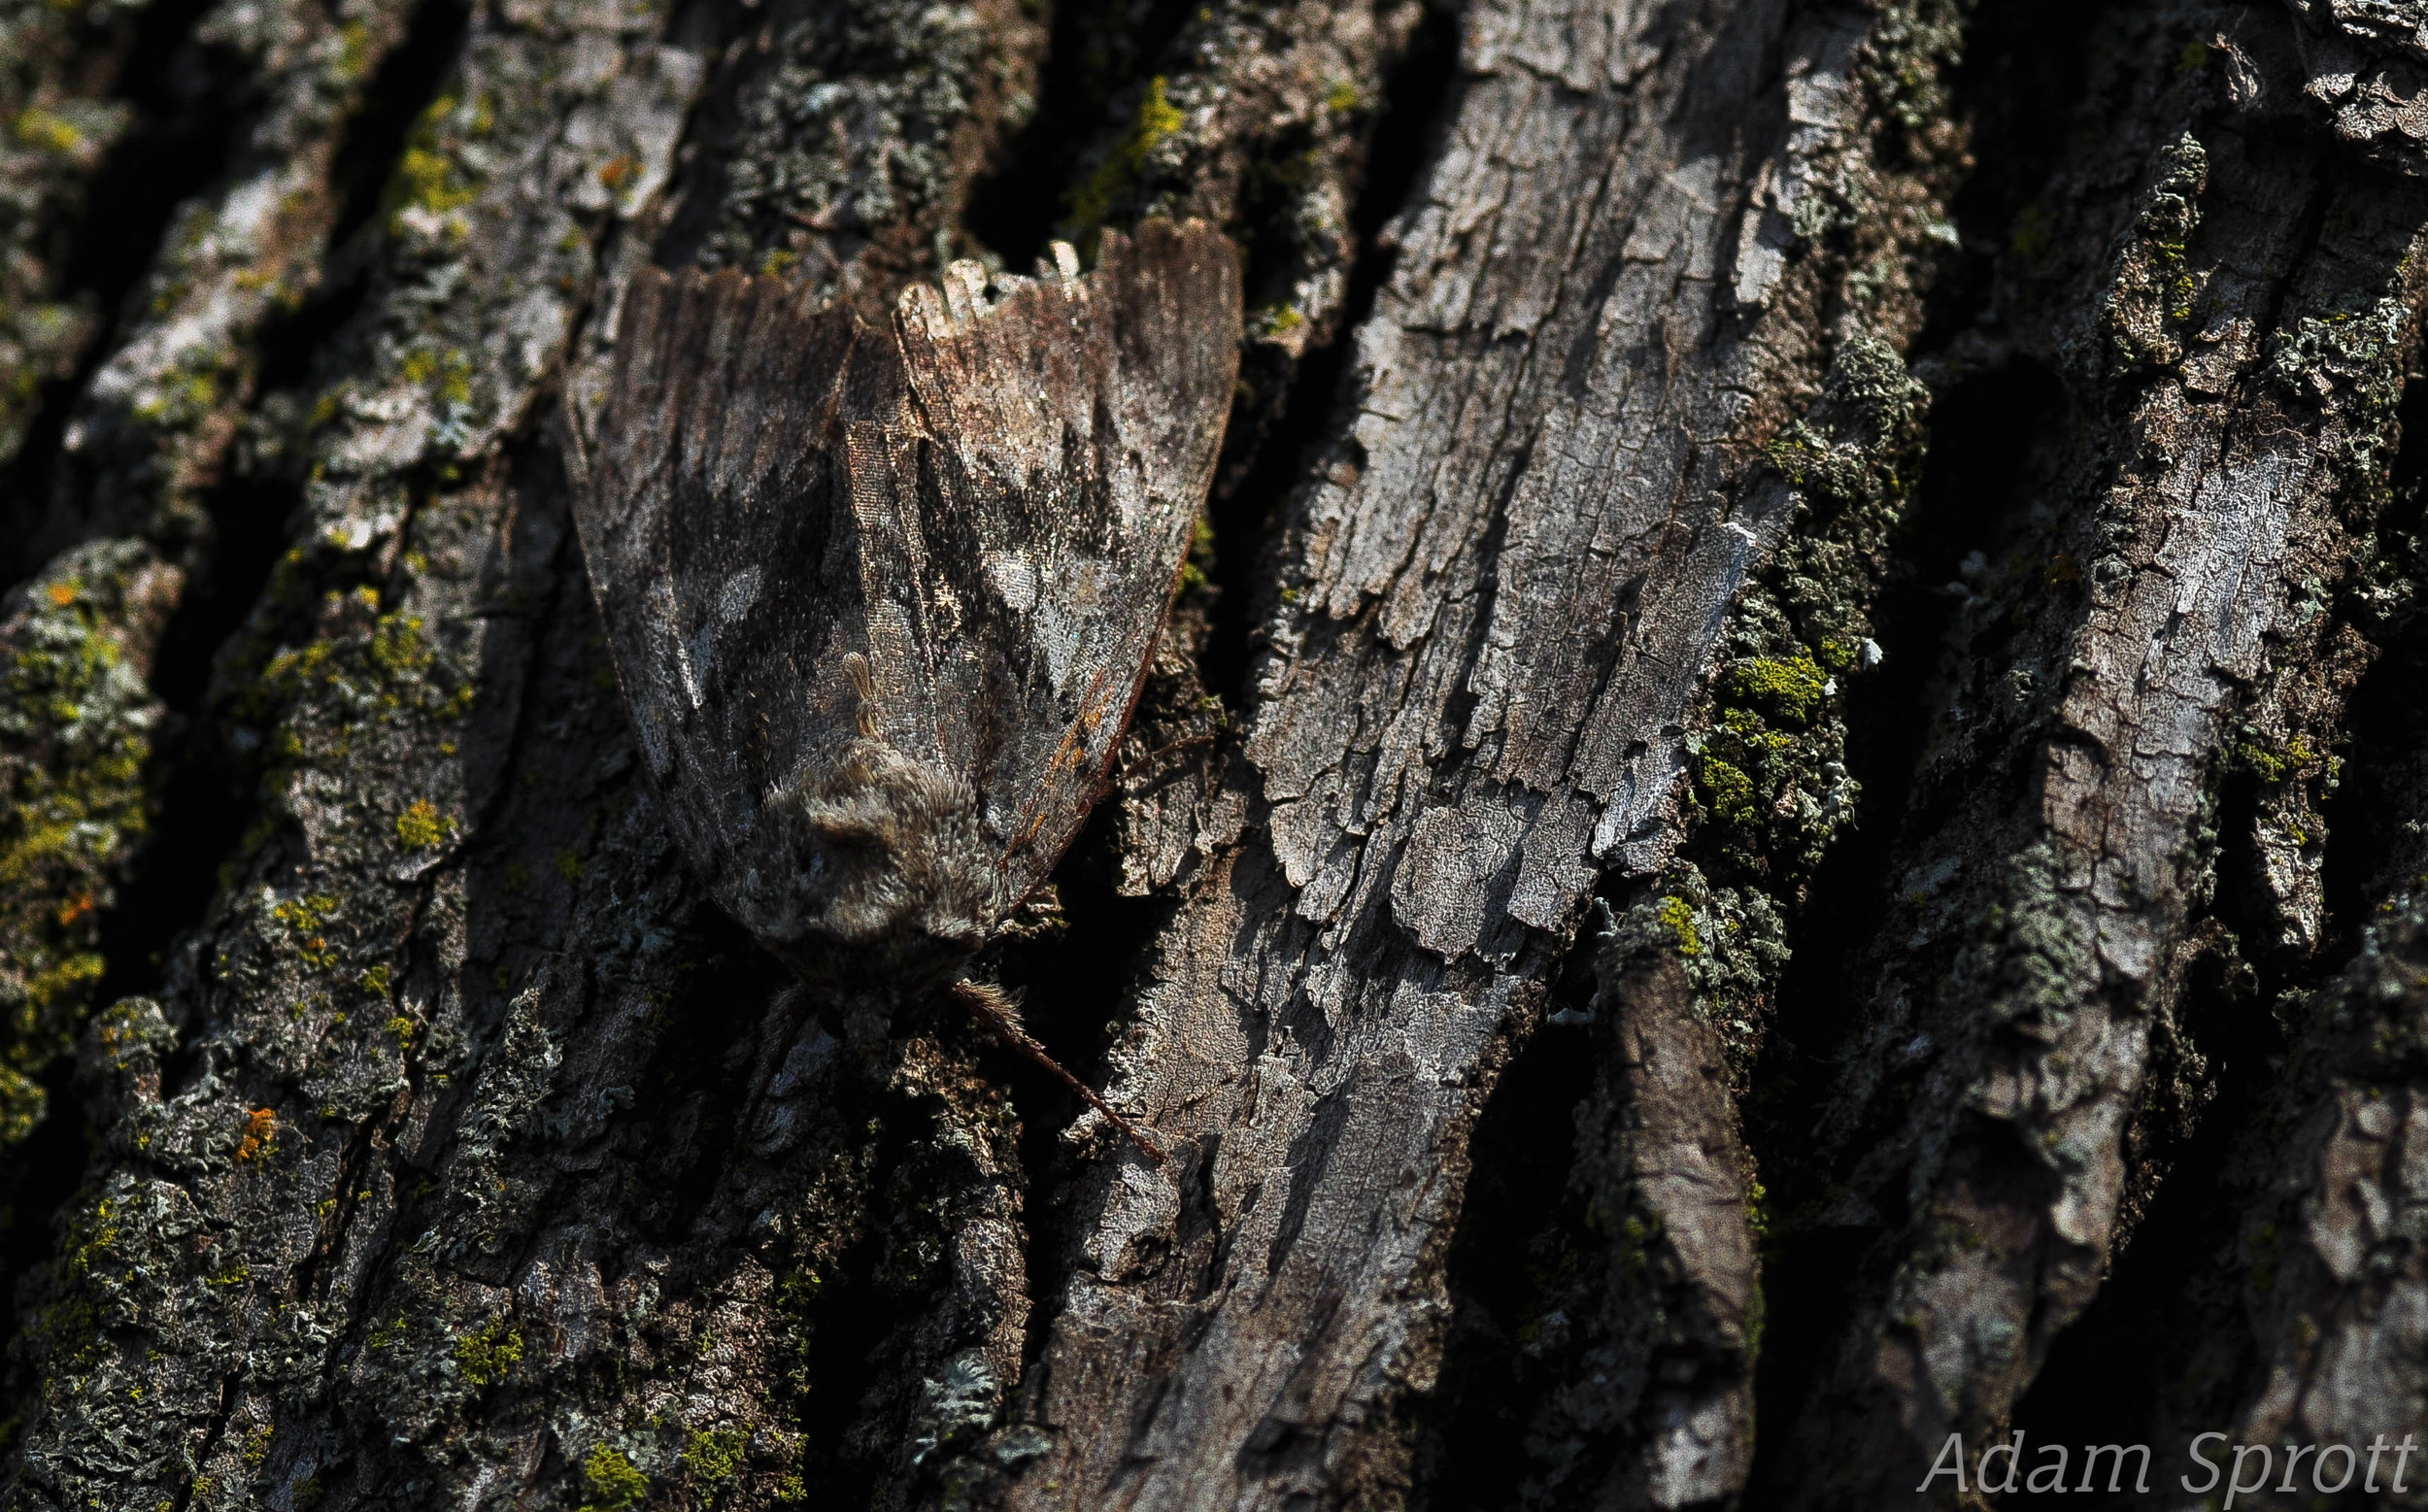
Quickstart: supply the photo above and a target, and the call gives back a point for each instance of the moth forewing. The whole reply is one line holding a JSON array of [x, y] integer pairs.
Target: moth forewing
[[986, 503]]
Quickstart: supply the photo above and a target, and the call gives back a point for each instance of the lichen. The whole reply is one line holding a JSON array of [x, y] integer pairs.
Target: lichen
[[350, 689], [1679, 915], [2151, 290], [1912, 44], [2355, 356], [852, 140], [2274, 764], [59, 125], [421, 827], [431, 186], [1787, 689], [76, 728], [2036, 953], [260, 1136], [1732, 941], [1769, 782]]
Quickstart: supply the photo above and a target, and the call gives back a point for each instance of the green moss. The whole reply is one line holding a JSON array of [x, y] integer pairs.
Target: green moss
[[614, 1483], [428, 178], [1093, 199], [1196, 567], [1679, 916], [714, 1456], [1779, 688], [1272, 321], [47, 132], [421, 827], [1727, 793], [485, 1357], [2152, 292], [355, 50]]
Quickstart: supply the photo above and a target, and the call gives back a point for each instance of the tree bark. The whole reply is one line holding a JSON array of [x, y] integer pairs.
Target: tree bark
[[1781, 816]]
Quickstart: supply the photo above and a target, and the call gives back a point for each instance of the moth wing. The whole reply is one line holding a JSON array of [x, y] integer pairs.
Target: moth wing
[[715, 516], [992, 506], [1065, 440]]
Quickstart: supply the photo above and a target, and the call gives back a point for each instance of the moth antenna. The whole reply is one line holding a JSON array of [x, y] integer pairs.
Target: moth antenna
[[856, 667], [989, 1007], [1066, 259]]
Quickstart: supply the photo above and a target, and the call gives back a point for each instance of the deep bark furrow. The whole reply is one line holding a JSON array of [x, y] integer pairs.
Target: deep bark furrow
[[1584, 342], [313, 1006], [2227, 471], [2306, 1325], [149, 435], [56, 92]]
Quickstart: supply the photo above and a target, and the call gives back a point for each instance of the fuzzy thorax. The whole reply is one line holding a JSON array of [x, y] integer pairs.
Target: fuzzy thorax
[[897, 885]]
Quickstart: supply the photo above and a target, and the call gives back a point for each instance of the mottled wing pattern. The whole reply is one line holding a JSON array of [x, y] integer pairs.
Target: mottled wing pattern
[[714, 513], [1066, 436], [989, 502]]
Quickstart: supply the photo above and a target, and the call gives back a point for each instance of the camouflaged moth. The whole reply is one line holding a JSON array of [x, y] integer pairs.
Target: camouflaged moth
[[880, 601]]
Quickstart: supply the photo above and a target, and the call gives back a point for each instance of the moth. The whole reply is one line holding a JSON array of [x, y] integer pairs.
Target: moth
[[881, 601]]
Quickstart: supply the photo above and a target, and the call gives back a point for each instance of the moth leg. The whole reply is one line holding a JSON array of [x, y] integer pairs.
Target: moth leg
[[989, 1007], [1184, 743]]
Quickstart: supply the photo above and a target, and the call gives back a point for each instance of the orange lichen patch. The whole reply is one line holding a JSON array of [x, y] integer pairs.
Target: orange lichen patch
[[62, 593], [615, 173], [76, 908], [260, 1129]]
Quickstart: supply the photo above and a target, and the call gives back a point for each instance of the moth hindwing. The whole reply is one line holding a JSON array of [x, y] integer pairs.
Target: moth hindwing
[[880, 601]]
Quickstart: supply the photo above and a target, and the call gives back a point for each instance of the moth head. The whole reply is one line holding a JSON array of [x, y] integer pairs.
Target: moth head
[[895, 882]]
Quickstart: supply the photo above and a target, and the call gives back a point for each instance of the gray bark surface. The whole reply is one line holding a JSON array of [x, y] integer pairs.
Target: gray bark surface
[[1780, 817]]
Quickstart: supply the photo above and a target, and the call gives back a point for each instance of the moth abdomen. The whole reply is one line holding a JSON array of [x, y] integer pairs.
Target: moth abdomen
[[896, 876]]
